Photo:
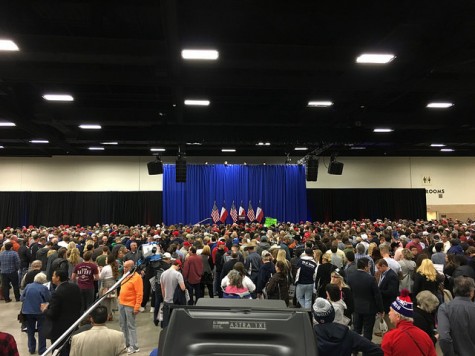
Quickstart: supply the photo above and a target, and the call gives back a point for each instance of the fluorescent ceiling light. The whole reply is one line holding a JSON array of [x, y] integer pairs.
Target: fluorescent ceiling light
[[375, 58], [194, 143], [2, 147], [300, 148], [439, 105], [200, 54], [446, 150], [383, 130], [39, 141], [357, 148], [263, 144], [8, 45], [90, 127], [197, 102], [319, 104], [109, 143], [228, 150], [157, 149], [437, 145], [58, 97], [96, 148], [7, 124]]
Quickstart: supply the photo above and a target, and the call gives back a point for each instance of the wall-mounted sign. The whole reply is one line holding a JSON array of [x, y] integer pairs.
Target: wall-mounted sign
[[435, 191], [426, 180]]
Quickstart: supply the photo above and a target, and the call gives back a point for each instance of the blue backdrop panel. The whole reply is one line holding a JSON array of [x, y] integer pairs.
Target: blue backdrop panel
[[280, 189]]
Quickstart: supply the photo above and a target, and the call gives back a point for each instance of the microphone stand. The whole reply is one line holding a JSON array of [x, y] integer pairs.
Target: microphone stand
[[86, 313]]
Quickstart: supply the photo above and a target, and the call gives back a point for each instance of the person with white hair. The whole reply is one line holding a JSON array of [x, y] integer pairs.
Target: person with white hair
[[405, 338], [424, 313], [33, 296]]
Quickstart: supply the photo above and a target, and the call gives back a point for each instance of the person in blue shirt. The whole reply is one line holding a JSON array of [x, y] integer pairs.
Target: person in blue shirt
[[33, 296], [9, 266]]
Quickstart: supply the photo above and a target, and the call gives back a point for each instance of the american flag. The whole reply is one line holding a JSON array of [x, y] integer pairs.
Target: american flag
[[215, 213], [233, 212], [250, 212]]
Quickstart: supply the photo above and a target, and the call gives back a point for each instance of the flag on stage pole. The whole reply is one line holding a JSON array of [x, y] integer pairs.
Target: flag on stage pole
[[259, 213], [224, 214], [250, 212], [233, 212], [215, 213], [242, 213]]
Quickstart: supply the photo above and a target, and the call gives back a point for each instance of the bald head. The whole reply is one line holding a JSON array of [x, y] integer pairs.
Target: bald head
[[128, 265], [36, 264]]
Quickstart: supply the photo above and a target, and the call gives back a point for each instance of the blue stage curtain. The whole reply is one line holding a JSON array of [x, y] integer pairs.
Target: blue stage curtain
[[280, 189]]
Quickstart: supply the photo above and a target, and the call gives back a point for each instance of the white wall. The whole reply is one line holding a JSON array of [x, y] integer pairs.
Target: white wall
[[455, 176], [78, 173]]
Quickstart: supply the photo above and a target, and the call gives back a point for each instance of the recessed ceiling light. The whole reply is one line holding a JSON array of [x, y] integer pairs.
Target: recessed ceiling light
[[7, 124], [96, 148], [319, 104], [228, 150], [437, 145], [200, 54], [2, 147], [383, 130], [375, 58], [109, 143], [196, 102], [439, 105], [300, 148], [58, 97], [157, 149], [8, 45], [90, 127], [39, 141], [446, 150]]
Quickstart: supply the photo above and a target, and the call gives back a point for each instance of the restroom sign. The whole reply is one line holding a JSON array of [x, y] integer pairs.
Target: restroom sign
[[426, 180]]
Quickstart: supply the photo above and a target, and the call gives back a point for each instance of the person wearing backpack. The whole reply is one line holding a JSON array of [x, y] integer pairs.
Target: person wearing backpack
[[60, 262]]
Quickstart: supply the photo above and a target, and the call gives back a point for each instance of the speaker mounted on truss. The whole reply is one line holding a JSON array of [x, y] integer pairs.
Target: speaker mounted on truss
[[155, 167], [180, 166], [335, 167], [312, 169]]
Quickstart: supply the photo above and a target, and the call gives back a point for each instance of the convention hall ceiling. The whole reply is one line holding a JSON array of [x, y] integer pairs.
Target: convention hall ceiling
[[284, 75]]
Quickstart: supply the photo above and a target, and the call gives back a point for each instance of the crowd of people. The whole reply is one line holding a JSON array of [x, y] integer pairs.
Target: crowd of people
[[415, 278]]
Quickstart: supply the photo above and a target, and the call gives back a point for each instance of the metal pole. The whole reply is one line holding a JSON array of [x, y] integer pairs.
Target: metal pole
[[199, 222], [86, 313]]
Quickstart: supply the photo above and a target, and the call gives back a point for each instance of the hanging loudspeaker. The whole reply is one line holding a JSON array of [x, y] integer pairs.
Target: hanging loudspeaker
[[181, 170], [312, 169], [335, 168], [155, 167]]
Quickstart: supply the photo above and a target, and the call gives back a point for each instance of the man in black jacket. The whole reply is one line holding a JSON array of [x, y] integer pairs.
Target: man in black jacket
[[338, 339], [367, 298], [64, 308], [389, 288], [229, 265]]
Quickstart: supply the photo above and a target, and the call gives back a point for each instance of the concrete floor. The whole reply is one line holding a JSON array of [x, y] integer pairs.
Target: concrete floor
[[147, 332]]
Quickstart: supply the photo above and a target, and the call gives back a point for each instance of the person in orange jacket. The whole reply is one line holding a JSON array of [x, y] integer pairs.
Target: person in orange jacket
[[130, 298]]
